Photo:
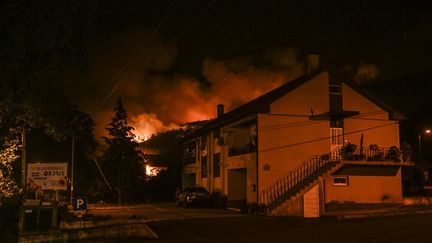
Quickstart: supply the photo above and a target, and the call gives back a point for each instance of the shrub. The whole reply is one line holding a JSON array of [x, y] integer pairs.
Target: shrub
[[244, 206], [394, 154], [257, 209]]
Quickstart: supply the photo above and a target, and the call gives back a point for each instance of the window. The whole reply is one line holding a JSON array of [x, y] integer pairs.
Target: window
[[216, 133], [216, 165], [340, 180], [204, 167], [189, 153], [203, 146], [243, 139]]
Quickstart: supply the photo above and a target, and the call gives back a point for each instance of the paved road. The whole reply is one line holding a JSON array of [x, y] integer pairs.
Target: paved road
[[412, 228], [160, 211], [174, 224]]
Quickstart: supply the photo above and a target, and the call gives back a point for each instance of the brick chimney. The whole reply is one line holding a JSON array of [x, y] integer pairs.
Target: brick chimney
[[220, 110]]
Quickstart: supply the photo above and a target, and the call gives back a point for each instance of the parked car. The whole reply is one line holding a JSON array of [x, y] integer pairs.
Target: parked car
[[193, 196]]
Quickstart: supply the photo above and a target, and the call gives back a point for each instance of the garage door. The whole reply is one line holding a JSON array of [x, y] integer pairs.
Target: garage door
[[236, 187]]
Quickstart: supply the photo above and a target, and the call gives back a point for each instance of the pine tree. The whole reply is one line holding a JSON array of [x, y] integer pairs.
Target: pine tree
[[122, 161]]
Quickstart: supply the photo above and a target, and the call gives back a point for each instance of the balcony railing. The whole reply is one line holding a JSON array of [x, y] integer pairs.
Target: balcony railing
[[241, 150], [392, 154]]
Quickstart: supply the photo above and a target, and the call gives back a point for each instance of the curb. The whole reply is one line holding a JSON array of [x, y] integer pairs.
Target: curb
[[377, 214], [102, 232]]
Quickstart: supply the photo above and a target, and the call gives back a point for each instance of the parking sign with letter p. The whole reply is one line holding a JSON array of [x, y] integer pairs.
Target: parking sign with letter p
[[79, 203]]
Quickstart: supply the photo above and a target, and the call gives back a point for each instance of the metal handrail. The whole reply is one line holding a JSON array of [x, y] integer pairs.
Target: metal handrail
[[286, 185], [283, 187]]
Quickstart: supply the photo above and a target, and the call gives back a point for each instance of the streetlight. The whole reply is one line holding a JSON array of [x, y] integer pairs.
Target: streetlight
[[427, 132]]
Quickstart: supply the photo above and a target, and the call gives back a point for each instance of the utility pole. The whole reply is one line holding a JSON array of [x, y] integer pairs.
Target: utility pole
[[23, 179], [23, 159]]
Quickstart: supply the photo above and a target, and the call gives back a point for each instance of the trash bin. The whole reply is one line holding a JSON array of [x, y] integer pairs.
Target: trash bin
[[30, 219], [38, 218]]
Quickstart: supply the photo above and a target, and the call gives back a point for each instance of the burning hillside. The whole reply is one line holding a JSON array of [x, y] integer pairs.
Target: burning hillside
[[157, 101], [231, 83]]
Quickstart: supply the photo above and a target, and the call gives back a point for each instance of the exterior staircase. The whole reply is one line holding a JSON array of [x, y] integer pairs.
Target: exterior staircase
[[298, 181]]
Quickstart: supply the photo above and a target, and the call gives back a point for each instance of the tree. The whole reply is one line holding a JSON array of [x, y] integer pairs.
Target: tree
[[43, 42], [8, 155], [122, 161], [163, 149]]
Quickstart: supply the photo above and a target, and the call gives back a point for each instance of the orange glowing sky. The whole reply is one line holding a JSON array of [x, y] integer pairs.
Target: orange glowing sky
[[157, 103], [187, 101]]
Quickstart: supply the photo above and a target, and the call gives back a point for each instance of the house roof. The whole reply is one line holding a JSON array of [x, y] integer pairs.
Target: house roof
[[258, 105], [262, 104], [394, 113]]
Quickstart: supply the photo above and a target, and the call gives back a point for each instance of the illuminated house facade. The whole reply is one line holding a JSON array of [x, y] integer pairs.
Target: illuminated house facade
[[312, 141]]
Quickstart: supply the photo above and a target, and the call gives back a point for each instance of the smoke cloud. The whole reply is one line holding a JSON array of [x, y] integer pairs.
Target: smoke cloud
[[156, 101], [366, 73]]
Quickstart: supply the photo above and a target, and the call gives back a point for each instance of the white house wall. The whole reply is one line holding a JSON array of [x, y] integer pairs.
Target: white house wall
[[365, 189], [285, 141], [372, 122]]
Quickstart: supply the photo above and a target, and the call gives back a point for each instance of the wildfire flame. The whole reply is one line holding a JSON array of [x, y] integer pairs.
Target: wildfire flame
[[157, 102], [147, 124], [185, 101]]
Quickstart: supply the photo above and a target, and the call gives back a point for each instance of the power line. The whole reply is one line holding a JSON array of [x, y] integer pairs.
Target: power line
[[167, 15], [310, 122], [195, 20], [320, 139], [183, 18], [123, 69], [288, 125], [282, 114], [367, 119]]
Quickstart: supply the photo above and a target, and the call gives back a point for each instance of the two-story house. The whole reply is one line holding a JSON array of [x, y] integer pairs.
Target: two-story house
[[313, 140]]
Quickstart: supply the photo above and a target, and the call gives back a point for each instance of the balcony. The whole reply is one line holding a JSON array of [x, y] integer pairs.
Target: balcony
[[377, 154], [241, 150]]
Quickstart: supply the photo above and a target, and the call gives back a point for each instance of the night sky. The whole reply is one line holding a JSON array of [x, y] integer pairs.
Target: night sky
[[172, 60], [394, 35]]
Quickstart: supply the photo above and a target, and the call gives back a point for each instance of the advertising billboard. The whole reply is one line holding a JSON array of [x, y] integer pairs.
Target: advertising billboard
[[47, 176]]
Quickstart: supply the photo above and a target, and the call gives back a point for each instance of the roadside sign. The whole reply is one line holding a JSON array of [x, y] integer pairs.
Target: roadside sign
[[79, 203], [47, 176]]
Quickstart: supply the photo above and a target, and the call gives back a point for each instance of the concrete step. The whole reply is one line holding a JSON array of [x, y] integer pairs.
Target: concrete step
[[306, 188]]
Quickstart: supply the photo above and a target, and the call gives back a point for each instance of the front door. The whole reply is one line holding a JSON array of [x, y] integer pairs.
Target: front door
[[336, 139], [237, 188], [311, 206]]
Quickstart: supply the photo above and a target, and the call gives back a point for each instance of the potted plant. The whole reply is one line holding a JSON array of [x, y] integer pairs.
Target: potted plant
[[394, 154], [348, 151]]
